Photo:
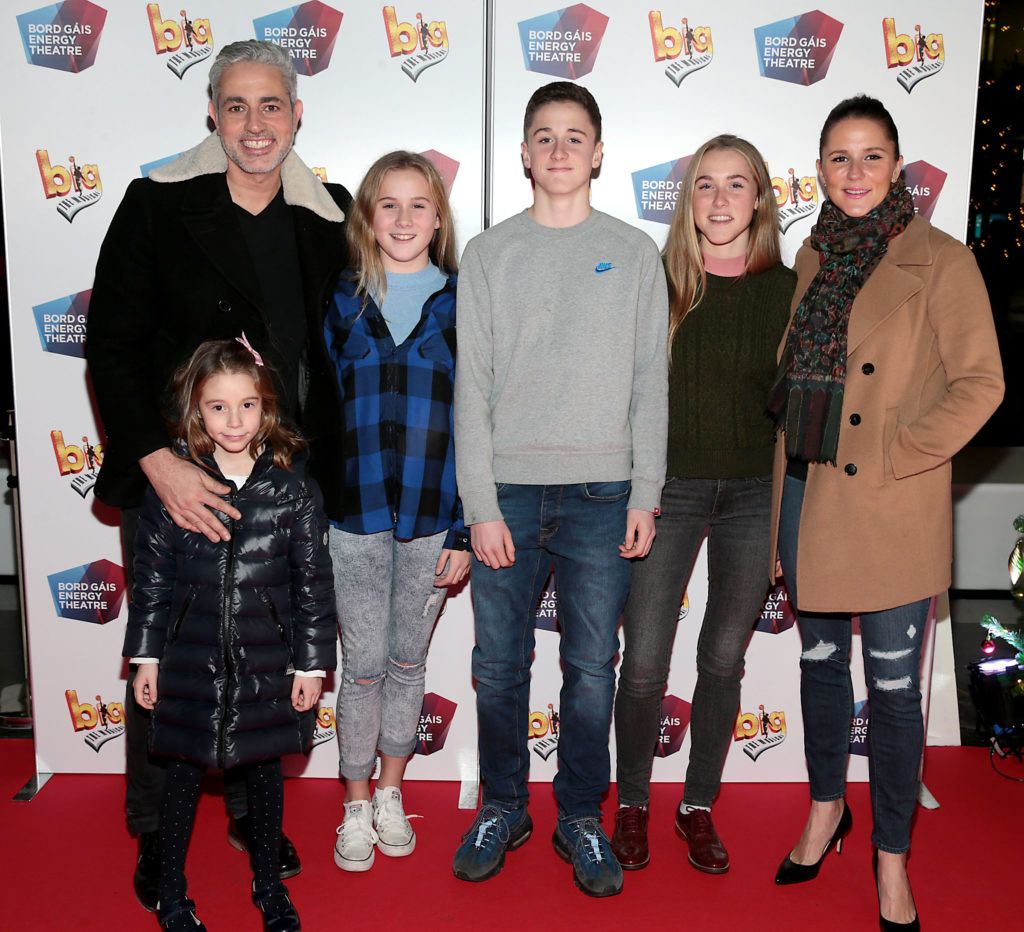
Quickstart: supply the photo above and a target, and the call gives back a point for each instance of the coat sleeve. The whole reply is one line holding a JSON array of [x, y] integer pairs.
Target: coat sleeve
[[961, 318], [154, 577], [123, 311], [314, 618]]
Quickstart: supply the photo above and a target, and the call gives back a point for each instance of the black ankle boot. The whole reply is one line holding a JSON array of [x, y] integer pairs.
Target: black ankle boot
[[179, 916], [147, 870], [279, 914]]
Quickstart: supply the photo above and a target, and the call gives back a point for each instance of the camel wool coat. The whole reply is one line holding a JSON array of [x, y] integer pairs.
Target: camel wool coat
[[923, 375]]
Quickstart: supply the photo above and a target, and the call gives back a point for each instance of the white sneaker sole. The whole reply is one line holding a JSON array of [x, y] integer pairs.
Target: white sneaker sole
[[354, 867], [397, 851]]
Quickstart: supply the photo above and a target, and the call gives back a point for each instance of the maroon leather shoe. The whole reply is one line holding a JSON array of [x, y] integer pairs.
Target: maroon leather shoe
[[629, 843], [707, 853]]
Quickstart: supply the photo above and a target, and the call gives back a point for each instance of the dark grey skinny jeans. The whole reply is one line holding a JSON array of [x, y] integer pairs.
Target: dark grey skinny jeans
[[735, 516]]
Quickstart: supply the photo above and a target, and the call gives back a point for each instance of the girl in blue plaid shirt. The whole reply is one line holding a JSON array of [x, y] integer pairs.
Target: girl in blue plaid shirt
[[390, 332]]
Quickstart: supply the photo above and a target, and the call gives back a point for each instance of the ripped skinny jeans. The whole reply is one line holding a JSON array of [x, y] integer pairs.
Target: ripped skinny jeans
[[891, 646], [387, 606]]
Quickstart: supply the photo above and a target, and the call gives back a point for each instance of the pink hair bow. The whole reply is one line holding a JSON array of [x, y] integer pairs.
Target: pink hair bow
[[244, 341]]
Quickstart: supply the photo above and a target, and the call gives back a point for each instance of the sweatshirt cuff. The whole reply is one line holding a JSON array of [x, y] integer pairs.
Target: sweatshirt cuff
[[645, 495], [143, 660], [480, 507]]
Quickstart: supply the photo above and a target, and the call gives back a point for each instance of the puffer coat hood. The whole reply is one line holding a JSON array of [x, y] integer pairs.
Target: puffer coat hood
[[230, 621]]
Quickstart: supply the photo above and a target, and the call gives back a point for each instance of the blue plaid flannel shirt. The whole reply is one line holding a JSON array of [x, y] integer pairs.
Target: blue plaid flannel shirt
[[397, 402]]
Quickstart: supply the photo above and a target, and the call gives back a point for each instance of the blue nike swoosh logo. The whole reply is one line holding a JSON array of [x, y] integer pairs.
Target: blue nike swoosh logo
[[604, 267]]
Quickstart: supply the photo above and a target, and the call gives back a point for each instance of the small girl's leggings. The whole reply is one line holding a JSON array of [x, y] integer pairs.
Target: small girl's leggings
[[265, 786]]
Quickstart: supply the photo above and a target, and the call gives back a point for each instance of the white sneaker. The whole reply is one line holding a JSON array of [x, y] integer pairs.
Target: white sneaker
[[353, 851], [395, 836]]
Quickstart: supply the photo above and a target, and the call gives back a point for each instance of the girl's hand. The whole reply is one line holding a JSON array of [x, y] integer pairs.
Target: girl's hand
[[305, 692], [492, 544], [457, 562], [144, 686], [639, 534]]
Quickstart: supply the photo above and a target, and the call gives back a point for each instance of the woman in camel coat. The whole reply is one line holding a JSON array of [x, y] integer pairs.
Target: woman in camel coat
[[890, 365]]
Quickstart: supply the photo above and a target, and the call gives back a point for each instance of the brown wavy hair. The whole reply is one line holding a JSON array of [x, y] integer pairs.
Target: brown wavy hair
[[684, 264], [217, 357], [364, 256]]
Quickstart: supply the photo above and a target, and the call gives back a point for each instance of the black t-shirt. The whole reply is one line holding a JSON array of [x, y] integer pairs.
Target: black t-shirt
[[270, 238]]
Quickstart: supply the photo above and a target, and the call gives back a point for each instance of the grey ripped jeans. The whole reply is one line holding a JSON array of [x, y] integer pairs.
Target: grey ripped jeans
[[387, 605]]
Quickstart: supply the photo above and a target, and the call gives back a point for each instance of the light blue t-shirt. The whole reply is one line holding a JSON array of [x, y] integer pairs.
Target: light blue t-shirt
[[407, 293]]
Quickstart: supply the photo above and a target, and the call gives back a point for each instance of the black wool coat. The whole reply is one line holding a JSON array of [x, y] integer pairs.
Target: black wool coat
[[174, 271], [230, 621]]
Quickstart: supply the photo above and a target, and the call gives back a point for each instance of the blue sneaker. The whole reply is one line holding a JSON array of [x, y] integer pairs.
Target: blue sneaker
[[493, 832], [583, 843]]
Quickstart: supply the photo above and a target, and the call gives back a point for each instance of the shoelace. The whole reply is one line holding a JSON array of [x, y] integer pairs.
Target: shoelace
[[631, 819], [589, 839], [391, 810], [357, 826], [703, 827], [490, 817]]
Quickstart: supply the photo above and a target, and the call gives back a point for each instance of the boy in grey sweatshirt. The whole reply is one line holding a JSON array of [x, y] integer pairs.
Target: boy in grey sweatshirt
[[560, 433]]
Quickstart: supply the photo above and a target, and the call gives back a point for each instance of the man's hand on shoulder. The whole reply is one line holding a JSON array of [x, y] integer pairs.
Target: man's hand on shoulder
[[188, 493]]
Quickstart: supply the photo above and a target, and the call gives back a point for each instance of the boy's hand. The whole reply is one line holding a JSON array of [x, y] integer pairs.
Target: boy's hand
[[305, 692], [144, 686], [492, 544], [639, 534], [457, 563], [189, 494]]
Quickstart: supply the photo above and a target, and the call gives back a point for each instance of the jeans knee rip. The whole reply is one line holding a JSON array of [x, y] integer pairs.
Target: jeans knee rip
[[406, 664], [902, 682], [371, 680], [890, 654], [821, 651]]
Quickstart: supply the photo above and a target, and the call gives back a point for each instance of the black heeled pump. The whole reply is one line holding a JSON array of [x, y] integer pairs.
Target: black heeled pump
[[790, 872], [887, 925]]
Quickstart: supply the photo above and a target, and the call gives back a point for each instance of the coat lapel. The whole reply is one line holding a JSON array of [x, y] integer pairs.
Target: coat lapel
[[891, 285], [208, 215], [321, 253]]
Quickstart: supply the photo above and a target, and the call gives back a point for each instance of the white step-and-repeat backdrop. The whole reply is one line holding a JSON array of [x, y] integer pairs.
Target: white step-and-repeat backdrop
[[98, 95]]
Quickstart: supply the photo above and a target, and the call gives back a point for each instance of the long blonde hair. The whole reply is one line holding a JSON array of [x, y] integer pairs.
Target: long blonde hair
[[364, 256], [684, 264]]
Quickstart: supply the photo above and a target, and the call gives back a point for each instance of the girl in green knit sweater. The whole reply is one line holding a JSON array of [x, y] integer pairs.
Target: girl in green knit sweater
[[729, 298]]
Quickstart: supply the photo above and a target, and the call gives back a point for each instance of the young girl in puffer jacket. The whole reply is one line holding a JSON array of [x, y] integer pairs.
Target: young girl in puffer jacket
[[232, 637]]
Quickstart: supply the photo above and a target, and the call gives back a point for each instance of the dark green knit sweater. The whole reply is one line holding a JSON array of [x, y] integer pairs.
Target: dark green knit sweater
[[723, 366]]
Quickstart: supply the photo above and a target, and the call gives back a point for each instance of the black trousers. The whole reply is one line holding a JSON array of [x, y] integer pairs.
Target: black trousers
[[144, 772]]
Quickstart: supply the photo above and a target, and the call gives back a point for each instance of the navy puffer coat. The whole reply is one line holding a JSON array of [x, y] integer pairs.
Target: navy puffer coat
[[230, 621]]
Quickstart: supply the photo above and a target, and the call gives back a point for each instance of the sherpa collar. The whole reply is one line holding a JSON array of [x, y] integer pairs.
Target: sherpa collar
[[301, 187]]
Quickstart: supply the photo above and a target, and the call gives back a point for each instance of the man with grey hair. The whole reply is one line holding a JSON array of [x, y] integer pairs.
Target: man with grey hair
[[261, 243]]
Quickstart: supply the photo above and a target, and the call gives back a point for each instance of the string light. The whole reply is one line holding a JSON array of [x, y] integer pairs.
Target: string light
[[997, 216]]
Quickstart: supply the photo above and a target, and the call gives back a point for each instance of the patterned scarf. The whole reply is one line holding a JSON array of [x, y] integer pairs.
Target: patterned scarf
[[806, 401]]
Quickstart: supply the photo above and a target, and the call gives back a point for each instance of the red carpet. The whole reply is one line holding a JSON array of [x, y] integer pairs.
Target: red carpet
[[67, 862]]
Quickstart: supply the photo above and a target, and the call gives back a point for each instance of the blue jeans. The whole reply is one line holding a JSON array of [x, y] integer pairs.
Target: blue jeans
[[891, 646], [735, 516], [578, 528]]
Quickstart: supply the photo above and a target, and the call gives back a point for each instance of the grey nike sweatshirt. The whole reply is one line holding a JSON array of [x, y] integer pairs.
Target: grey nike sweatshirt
[[562, 367]]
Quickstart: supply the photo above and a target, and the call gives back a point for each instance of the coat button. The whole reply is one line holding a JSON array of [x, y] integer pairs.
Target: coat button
[[868, 368], [850, 469], [224, 306], [855, 419]]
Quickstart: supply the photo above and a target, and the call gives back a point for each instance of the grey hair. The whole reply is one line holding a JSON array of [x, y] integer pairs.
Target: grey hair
[[261, 53]]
